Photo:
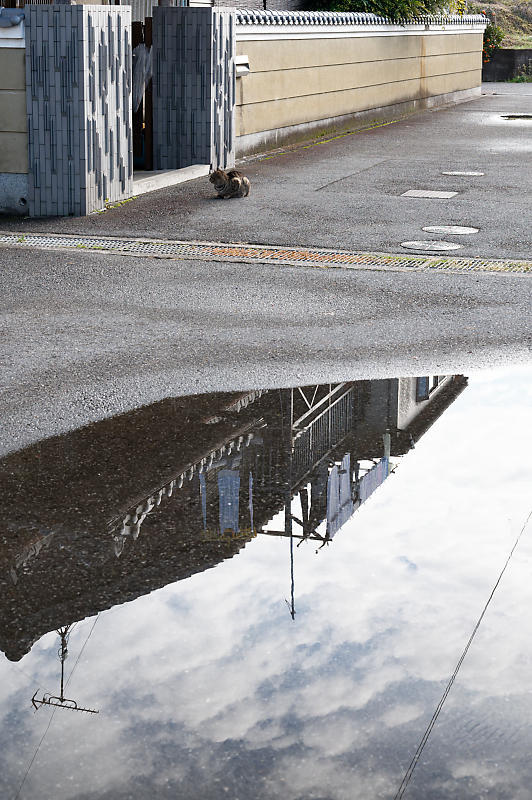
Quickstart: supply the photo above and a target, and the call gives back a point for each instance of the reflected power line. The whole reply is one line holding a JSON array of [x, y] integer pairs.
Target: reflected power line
[[417, 755], [54, 710]]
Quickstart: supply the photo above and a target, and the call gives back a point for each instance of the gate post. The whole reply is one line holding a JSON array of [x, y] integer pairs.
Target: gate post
[[193, 87], [78, 93]]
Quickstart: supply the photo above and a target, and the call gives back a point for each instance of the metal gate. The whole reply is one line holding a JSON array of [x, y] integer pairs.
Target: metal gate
[[142, 94]]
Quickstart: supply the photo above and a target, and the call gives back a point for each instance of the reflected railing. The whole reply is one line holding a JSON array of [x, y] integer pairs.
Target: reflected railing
[[130, 504]]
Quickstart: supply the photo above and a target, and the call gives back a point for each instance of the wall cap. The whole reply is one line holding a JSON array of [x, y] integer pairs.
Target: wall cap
[[245, 17]]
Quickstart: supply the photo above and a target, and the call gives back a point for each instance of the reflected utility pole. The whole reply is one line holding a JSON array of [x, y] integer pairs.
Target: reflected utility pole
[[387, 442], [60, 701], [288, 527]]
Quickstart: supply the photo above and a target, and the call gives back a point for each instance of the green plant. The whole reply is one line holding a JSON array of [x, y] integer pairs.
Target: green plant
[[493, 36], [458, 7], [524, 74], [396, 10]]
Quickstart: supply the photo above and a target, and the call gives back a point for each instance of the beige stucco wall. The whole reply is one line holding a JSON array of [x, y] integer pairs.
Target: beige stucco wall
[[13, 116], [297, 81]]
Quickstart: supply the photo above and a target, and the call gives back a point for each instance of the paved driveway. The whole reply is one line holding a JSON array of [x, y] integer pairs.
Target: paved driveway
[[347, 192]]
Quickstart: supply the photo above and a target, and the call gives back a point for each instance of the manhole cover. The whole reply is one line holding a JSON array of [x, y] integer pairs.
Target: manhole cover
[[455, 230], [434, 245], [468, 174], [428, 193], [516, 116]]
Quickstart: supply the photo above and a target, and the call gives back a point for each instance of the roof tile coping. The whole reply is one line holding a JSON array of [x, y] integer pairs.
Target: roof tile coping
[[259, 17]]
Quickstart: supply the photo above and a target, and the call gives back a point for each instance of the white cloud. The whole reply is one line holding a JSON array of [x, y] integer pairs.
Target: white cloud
[[213, 668]]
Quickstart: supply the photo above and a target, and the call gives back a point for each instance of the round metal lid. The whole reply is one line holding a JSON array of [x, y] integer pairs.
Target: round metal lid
[[455, 230]]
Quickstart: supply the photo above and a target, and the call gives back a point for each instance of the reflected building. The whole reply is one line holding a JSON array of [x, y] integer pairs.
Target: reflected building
[[120, 508]]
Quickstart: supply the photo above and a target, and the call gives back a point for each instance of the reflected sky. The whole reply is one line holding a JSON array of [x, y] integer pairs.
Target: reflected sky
[[207, 688]]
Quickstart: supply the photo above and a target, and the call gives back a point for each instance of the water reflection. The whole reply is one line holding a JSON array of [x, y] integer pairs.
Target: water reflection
[[130, 504], [164, 543], [59, 700]]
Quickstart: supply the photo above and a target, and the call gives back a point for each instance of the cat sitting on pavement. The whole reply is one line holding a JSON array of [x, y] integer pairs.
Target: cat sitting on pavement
[[229, 184]]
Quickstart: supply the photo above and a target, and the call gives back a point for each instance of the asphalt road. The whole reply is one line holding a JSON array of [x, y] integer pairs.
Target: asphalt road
[[87, 335]]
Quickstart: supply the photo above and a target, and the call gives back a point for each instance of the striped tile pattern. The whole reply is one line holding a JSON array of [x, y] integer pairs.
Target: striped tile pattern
[[78, 90], [193, 87]]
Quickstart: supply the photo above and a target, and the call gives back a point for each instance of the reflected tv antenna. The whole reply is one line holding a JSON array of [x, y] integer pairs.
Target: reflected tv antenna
[[60, 701]]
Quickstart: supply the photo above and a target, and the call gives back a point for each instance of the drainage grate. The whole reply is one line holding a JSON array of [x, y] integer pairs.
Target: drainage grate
[[428, 193], [262, 254], [466, 173]]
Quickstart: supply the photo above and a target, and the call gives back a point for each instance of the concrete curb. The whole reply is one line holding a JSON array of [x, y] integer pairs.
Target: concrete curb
[[160, 179]]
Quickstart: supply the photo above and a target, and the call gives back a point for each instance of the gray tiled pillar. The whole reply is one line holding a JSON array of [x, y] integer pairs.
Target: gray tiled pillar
[[193, 87], [78, 90]]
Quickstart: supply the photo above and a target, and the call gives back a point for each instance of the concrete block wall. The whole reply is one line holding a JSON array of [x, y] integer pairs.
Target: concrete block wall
[[312, 71], [193, 87], [78, 80], [507, 63], [13, 122], [13, 119]]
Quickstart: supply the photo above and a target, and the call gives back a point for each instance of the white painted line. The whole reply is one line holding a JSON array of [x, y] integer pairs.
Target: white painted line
[[434, 245], [428, 193], [467, 174], [454, 230]]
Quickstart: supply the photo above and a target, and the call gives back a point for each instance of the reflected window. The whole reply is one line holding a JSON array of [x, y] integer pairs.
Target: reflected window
[[422, 389], [229, 496]]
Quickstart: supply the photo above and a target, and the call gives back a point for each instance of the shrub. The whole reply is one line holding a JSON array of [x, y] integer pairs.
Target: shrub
[[396, 10], [493, 36], [524, 74], [458, 7]]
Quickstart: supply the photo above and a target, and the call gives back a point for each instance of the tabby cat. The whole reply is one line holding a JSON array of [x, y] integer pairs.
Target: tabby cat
[[229, 184]]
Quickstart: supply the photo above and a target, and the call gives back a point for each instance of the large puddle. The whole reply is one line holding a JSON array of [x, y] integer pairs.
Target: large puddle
[[274, 594]]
